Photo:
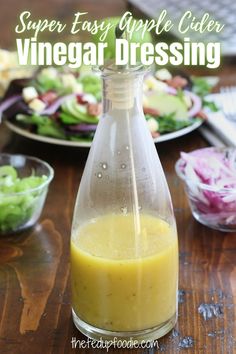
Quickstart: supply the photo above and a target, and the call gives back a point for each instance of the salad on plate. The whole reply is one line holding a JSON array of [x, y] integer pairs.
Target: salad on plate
[[66, 104]]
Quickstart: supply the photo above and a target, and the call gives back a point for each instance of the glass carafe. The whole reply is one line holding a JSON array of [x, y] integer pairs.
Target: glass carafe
[[124, 248]]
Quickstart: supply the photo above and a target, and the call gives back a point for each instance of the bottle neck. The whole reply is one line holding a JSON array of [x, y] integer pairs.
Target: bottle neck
[[122, 93]]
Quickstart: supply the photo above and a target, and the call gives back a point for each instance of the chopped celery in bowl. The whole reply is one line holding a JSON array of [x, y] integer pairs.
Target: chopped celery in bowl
[[24, 182]]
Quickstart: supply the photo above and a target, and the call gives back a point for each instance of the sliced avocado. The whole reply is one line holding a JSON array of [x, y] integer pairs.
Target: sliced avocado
[[78, 111], [69, 119], [167, 104], [85, 117], [68, 107]]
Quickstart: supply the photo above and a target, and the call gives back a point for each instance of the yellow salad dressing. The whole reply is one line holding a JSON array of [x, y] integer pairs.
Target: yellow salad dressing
[[124, 273]]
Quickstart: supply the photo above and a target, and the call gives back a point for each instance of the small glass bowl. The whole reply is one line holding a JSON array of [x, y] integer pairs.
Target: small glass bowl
[[211, 206], [21, 210]]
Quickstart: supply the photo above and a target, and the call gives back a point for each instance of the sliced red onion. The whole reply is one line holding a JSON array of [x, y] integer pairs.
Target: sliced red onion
[[211, 183], [55, 105], [197, 104], [8, 102]]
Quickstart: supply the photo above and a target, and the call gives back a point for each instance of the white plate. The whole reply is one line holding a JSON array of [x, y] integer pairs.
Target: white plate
[[45, 139], [178, 133]]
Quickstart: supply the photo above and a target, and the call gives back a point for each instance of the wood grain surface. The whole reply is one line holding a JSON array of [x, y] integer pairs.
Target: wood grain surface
[[34, 267], [35, 310]]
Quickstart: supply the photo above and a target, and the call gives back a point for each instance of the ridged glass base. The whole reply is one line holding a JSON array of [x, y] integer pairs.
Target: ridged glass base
[[214, 225], [139, 336]]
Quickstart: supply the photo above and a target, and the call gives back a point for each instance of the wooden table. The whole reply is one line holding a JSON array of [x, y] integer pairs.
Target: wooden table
[[34, 266]]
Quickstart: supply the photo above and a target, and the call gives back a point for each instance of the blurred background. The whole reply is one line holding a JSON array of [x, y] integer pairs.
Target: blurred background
[[57, 9], [63, 10], [222, 10]]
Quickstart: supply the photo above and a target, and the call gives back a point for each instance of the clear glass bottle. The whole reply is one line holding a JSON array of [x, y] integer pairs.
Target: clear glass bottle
[[124, 248]]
